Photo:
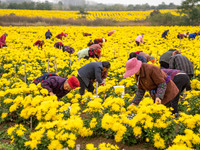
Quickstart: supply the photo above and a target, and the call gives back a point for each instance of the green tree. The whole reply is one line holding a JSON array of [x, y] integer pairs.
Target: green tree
[[191, 8], [60, 5], [130, 7]]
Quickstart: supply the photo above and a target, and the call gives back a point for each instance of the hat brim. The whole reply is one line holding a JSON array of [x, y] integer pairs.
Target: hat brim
[[133, 70]]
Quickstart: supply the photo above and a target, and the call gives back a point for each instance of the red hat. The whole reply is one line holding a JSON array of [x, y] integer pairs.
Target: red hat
[[73, 82], [48, 30], [99, 51], [60, 43], [105, 40]]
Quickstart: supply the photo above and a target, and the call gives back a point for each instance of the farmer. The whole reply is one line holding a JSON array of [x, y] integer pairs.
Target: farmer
[[58, 45], [96, 46], [59, 36], [89, 53], [56, 85], [139, 39], [182, 81], [91, 72], [181, 36], [139, 57], [87, 34], [192, 36], [3, 40], [48, 34], [181, 62], [39, 43], [102, 40], [146, 56], [90, 43], [151, 78], [111, 32], [68, 49], [165, 57], [164, 35]]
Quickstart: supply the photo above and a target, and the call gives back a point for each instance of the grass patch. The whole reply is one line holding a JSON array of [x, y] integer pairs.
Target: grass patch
[[7, 20], [6, 146]]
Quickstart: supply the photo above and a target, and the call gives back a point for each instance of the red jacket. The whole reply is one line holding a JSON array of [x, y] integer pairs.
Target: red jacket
[[38, 43], [87, 34], [3, 39], [181, 36], [111, 32], [59, 36]]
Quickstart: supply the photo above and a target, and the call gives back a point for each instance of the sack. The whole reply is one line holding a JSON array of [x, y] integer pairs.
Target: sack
[[43, 77], [68, 49]]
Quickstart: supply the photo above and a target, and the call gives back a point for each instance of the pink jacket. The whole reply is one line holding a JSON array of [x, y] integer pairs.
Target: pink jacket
[[95, 46], [111, 32], [139, 39], [2, 39]]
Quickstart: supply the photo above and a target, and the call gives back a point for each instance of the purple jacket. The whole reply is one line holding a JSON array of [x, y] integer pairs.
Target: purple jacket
[[55, 84]]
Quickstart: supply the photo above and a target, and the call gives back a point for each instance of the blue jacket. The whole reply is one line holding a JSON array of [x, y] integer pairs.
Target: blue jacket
[[48, 34], [165, 34], [192, 36], [141, 58]]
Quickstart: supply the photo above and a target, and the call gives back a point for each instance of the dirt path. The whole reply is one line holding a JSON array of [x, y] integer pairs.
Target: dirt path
[[97, 140]]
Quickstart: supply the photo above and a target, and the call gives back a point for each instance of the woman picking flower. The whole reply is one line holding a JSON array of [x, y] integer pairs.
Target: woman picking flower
[[151, 78]]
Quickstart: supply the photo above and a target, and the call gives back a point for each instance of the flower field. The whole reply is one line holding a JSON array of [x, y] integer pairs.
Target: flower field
[[42, 122], [114, 15]]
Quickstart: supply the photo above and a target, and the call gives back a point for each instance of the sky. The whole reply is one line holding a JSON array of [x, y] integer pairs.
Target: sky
[[134, 2], [127, 2]]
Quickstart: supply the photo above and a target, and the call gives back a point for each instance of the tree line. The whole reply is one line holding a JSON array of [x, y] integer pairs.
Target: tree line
[[95, 7]]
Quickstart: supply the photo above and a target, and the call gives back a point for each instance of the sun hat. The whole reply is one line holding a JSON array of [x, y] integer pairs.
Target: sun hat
[[132, 67], [73, 82], [152, 59]]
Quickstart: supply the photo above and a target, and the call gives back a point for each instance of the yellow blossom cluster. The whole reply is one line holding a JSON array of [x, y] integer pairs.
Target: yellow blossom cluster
[[115, 104], [18, 128], [92, 15], [94, 106], [60, 121], [114, 123], [102, 146]]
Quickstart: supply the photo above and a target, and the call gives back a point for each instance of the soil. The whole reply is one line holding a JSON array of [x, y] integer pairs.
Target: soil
[[97, 140], [84, 141]]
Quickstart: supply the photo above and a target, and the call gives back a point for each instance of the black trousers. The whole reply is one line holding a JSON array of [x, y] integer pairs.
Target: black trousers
[[48, 37], [164, 65], [137, 43], [182, 81], [90, 87]]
